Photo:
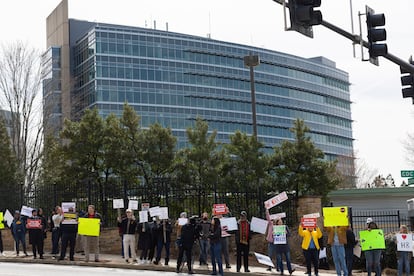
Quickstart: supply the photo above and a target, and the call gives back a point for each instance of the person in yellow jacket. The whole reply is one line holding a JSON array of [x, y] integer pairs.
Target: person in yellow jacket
[[310, 246], [337, 240]]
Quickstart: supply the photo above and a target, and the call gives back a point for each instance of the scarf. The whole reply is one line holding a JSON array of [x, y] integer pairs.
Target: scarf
[[244, 232]]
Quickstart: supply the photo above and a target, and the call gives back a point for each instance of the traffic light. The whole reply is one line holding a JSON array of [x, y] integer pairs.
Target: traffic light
[[407, 81], [303, 16], [376, 34]]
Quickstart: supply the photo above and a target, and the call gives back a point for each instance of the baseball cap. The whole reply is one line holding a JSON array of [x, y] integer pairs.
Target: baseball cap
[[243, 213], [369, 220], [128, 210]]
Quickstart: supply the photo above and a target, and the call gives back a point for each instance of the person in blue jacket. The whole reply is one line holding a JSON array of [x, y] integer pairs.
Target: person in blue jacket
[[18, 229]]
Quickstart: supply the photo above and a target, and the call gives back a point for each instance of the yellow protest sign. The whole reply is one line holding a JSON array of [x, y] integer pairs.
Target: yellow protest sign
[[335, 216], [372, 239], [1, 220], [89, 226]]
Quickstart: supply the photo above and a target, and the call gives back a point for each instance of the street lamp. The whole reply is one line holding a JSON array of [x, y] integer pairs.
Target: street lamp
[[252, 61]]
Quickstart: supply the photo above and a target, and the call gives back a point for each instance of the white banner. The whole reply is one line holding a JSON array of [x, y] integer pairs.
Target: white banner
[[143, 216], [154, 211], [133, 204], [67, 205], [118, 203], [229, 223], [404, 242], [263, 259], [277, 216], [163, 212], [313, 215], [8, 217], [26, 211]]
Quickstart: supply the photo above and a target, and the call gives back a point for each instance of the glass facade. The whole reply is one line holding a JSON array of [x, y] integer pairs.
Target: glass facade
[[172, 78]]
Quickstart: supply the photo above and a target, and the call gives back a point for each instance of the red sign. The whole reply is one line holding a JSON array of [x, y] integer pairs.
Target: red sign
[[308, 222], [219, 209], [34, 224]]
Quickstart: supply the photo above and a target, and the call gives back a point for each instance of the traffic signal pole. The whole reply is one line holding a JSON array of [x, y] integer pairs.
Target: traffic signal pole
[[356, 39]]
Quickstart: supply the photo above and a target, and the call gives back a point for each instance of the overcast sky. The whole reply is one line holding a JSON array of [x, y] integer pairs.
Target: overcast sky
[[382, 118]]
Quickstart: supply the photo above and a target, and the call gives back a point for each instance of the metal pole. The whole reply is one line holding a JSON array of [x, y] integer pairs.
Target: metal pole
[[252, 61]]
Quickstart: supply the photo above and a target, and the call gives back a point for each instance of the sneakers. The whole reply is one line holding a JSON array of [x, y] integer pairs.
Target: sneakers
[[228, 266], [269, 269], [291, 272]]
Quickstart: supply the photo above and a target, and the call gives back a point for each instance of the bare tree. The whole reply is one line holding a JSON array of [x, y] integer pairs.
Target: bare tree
[[20, 78], [365, 174]]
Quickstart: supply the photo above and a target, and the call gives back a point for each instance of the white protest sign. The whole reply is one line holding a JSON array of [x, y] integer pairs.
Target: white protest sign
[[322, 253], [263, 259], [313, 215], [404, 242], [143, 216], [229, 223], [279, 234], [163, 212], [118, 203], [8, 217], [182, 221], [275, 200], [277, 216], [133, 204], [26, 211], [67, 205], [154, 211], [258, 225]]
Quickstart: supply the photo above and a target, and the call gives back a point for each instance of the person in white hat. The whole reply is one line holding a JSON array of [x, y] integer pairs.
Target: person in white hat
[[373, 256], [128, 227]]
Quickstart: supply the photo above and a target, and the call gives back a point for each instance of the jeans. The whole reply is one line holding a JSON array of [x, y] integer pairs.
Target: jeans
[[225, 249], [373, 261], [215, 251], [280, 261], [311, 257], [160, 245], [20, 237], [271, 251], [204, 244], [349, 256], [404, 262], [55, 240], [338, 255], [68, 238]]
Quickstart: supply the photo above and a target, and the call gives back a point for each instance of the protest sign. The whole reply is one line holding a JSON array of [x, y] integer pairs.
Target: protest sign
[[143, 216], [335, 216], [34, 224], [230, 223], [308, 222], [118, 203], [219, 209], [275, 200], [258, 225], [154, 211], [67, 205], [89, 226], [8, 217], [277, 216], [163, 212], [279, 234], [26, 211], [313, 215], [70, 218], [404, 242], [372, 239], [133, 204], [182, 221], [1, 220], [263, 259]]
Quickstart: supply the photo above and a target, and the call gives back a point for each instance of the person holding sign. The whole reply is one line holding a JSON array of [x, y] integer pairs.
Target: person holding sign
[[128, 226], [404, 257], [372, 256], [337, 240], [56, 234], [189, 234], [162, 231], [243, 236], [144, 240], [205, 225], [281, 233], [271, 246], [35, 226], [18, 229], [69, 228], [92, 241], [310, 246]]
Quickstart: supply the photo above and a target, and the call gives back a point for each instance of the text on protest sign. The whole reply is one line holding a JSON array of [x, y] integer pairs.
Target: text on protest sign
[[118, 203], [34, 224], [67, 205], [275, 200], [335, 216], [308, 222], [313, 215], [89, 226], [230, 224], [133, 204], [279, 234], [26, 211], [404, 242], [143, 216], [277, 216], [219, 209], [258, 225]]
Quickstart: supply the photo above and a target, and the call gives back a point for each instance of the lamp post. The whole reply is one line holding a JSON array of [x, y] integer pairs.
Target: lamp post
[[252, 61]]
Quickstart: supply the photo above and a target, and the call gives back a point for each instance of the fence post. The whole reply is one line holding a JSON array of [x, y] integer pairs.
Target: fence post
[[399, 219]]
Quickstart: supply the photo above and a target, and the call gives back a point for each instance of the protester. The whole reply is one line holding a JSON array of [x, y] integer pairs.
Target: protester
[[18, 229], [144, 241], [224, 240], [373, 256], [56, 220], [337, 240], [69, 229], [189, 234], [243, 236], [349, 249], [205, 225], [282, 249], [36, 234], [183, 215], [310, 247], [162, 231], [404, 257], [128, 227], [215, 246], [92, 242], [154, 241], [271, 247]]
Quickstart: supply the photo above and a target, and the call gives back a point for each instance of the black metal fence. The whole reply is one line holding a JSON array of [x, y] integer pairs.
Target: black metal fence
[[161, 193]]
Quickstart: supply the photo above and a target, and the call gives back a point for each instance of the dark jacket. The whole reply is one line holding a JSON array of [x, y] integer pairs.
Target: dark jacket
[[189, 234], [205, 229], [158, 231], [145, 235], [350, 239], [125, 229], [215, 234]]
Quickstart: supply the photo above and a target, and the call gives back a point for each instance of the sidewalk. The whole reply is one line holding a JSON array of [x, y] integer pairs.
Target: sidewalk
[[116, 261]]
